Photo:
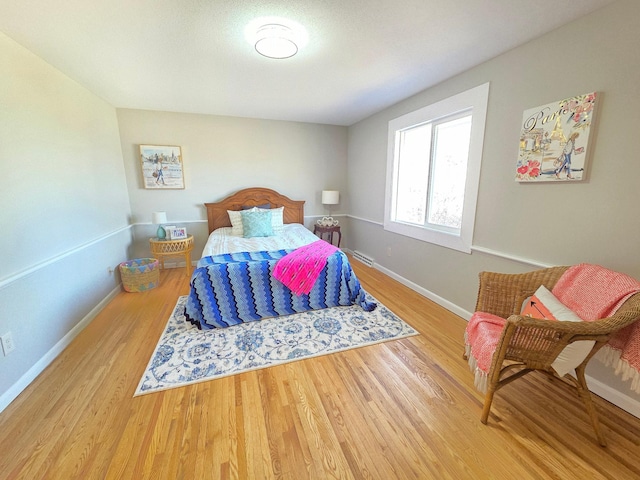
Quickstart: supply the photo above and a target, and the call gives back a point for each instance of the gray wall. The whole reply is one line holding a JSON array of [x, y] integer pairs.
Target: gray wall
[[224, 154], [592, 221], [65, 211]]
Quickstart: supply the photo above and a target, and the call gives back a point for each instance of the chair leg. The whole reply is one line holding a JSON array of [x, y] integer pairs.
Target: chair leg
[[585, 394], [488, 399]]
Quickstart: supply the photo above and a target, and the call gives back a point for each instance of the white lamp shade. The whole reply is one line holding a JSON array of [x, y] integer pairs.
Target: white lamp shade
[[158, 218], [330, 197]]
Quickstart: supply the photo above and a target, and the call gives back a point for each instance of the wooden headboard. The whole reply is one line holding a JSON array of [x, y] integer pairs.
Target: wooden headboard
[[218, 217]]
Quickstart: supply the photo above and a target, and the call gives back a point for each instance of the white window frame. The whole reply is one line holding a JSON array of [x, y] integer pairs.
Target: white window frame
[[476, 100]]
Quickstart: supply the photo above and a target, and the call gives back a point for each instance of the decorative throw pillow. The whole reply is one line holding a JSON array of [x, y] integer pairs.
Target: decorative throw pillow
[[256, 223], [543, 304], [277, 218], [235, 217]]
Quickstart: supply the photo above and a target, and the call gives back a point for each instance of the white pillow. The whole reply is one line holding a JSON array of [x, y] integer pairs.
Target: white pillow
[[235, 217], [277, 218], [572, 355]]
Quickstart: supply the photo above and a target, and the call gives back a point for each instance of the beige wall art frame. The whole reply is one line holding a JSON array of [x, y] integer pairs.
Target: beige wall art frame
[[161, 166], [554, 140]]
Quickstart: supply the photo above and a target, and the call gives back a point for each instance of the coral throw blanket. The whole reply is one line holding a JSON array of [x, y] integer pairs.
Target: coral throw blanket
[[592, 292], [595, 292], [300, 269]]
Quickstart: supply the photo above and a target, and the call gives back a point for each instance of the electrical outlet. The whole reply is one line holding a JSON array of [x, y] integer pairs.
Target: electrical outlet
[[7, 343]]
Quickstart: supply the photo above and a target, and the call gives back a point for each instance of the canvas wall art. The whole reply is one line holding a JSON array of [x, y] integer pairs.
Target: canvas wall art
[[554, 140], [161, 166]]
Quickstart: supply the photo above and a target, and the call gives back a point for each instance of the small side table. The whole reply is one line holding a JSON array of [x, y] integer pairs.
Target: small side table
[[320, 231], [172, 248]]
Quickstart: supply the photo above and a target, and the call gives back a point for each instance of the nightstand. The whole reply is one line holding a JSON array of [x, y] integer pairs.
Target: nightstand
[[173, 248], [320, 231]]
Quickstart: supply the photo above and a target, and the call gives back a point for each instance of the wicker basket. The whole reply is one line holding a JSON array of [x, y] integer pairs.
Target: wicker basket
[[140, 274]]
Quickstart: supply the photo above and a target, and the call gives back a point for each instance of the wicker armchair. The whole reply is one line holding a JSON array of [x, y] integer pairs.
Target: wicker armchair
[[527, 344]]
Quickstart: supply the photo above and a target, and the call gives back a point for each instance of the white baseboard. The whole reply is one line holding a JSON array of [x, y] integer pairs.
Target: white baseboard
[[616, 397], [177, 264], [452, 307], [619, 399], [23, 382]]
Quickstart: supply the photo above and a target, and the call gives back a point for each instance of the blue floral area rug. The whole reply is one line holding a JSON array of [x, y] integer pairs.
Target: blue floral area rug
[[186, 355]]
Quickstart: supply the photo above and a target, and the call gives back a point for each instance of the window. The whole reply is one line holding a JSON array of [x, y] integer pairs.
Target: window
[[433, 170]]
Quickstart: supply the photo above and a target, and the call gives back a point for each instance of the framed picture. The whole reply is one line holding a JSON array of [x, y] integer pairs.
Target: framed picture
[[161, 166], [177, 233], [167, 229], [554, 140]]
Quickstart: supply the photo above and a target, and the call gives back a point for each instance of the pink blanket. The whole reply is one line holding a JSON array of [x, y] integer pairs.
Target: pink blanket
[[300, 269], [592, 292], [595, 292], [483, 332]]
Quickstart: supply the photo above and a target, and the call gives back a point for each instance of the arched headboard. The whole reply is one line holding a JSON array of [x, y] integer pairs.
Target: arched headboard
[[218, 217]]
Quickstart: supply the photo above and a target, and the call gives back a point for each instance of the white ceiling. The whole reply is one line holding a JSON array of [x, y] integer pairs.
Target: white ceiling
[[191, 55]]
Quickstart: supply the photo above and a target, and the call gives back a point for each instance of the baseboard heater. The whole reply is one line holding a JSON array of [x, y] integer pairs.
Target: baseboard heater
[[361, 257]]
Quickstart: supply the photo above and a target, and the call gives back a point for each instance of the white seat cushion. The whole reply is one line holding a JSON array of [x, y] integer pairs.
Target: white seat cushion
[[543, 304]]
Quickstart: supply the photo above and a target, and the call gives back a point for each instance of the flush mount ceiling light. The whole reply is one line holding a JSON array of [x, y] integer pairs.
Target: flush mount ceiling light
[[276, 41], [275, 37]]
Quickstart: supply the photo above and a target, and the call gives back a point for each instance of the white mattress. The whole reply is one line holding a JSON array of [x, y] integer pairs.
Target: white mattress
[[293, 235]]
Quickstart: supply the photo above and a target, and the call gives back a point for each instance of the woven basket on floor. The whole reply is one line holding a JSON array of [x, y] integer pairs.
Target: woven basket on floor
[[140, 274]]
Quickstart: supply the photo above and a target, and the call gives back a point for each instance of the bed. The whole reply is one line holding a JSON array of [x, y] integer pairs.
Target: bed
[[234, 280]]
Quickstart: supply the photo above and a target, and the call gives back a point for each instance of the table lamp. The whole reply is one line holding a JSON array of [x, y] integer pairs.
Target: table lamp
[[330, 197], [159, 218]]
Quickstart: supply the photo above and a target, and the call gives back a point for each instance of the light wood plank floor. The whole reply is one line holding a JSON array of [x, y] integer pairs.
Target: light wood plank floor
[[400, 409]]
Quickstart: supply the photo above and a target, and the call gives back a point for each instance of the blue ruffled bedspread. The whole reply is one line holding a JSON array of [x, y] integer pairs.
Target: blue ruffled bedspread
[[239, 287]]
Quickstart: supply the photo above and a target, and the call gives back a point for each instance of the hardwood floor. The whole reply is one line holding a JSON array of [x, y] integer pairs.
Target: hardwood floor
[[397, 410]]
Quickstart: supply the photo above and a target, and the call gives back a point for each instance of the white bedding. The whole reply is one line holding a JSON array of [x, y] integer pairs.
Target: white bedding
[[292, 235]]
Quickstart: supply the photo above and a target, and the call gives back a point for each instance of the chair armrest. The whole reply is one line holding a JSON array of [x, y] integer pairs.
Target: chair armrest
[[502, 294], [628, 313], [537, 342], [584, 328]]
